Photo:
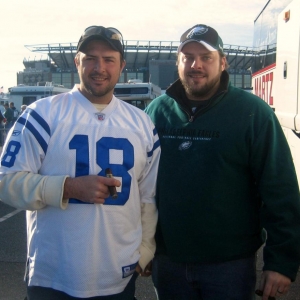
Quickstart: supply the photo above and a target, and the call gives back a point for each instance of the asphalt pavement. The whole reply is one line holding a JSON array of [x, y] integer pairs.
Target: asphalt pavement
[[13, 256]]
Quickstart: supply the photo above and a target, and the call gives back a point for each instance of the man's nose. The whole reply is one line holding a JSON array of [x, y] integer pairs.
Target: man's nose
[[197, 63]]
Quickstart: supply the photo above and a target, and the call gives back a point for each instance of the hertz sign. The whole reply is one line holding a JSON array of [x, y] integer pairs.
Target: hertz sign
[[262, 83]]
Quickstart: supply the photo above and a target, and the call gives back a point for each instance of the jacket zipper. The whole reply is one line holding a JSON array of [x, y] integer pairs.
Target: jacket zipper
[[192, 117]]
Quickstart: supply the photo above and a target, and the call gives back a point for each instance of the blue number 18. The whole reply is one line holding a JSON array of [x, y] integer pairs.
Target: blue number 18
[[103, 147]]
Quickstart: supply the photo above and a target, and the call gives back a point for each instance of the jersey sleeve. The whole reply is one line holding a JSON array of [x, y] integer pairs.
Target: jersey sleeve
[[30, 191], [24, 150], [147, 181], [147, 187], [149, 217], [26, 144]]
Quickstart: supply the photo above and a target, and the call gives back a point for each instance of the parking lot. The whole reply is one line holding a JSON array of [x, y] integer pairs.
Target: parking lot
[[13, 256]]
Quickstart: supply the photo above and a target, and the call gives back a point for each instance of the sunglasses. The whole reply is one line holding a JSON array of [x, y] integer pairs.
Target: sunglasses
[[112, 35], [110, 32]]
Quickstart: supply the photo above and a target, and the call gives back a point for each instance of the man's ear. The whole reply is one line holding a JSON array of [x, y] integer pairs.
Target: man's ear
[[223, 63], [77, 60], [123, 64]]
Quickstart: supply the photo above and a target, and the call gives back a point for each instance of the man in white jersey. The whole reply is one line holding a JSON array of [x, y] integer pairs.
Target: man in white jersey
[[82, 242]]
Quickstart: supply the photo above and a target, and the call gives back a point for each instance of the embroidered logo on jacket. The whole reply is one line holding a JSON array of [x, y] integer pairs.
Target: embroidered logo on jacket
[[185, 145]]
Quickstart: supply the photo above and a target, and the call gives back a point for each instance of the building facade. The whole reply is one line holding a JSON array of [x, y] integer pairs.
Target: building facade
[[148, 61]]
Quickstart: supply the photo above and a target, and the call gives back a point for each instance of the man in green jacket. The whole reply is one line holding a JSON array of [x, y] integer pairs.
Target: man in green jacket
[[226, 180]]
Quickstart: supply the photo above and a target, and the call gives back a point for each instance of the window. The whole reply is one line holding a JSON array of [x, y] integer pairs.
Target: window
[[56, 78], [66, 80], [28, 100], [138, 103], [130, 90], [76, 78], [122, 78]]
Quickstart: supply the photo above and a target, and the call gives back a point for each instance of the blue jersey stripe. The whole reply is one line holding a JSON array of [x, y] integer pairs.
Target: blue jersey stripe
[[36, 134], [40, 120], [155, 146]]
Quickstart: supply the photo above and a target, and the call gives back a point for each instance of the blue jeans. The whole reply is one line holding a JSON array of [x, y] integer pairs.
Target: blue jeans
[[188, 281], [43, 293]]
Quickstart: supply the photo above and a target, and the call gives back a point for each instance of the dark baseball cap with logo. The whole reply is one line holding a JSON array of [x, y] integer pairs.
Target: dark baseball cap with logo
[[203, 34], [111, 35]]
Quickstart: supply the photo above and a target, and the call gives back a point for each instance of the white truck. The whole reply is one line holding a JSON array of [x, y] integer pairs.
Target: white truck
[[276, 68], [137, 93], [27, 94]]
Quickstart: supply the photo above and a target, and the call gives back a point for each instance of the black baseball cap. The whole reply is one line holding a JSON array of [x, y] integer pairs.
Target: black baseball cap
[[203, 34], [111, 35]]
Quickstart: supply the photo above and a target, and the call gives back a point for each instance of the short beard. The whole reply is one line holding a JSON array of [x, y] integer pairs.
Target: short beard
[[199, 92], [94, 93]]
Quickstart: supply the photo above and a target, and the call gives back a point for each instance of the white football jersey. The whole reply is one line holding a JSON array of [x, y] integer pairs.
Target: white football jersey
[[86, 250]]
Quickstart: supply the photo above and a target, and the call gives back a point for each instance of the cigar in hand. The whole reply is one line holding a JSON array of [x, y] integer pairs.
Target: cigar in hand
[[112, 189], [260, 293]]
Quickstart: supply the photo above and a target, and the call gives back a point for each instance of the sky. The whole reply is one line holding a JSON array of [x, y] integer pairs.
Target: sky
[[34, 22]]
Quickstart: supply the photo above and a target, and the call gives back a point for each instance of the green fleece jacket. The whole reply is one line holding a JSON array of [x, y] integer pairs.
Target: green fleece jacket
[[226, 177]]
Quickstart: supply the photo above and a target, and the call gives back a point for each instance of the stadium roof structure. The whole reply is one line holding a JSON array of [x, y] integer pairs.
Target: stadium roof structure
[[139, 53]]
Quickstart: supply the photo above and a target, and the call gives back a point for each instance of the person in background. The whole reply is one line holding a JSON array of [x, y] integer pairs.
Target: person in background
[[15, 111], [9, 116], [226, 180], [85, 240], [1, 128], [23, 107]]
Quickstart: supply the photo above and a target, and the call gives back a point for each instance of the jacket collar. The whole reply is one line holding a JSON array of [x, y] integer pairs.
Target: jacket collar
[[177, 92]]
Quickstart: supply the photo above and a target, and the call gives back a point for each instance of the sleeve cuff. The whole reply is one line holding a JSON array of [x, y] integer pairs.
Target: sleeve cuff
[[53, 191], [146, 256]]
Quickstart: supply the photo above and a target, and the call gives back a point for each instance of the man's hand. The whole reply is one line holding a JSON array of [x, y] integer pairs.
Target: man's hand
[[91, 188], [147, 272], [273, 284]]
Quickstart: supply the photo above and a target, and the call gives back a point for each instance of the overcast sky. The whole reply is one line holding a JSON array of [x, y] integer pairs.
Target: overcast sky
[[32, 22]]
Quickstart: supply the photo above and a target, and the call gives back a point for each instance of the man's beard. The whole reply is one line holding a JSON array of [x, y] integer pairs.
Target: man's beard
[[96, 93], [199, 91]]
